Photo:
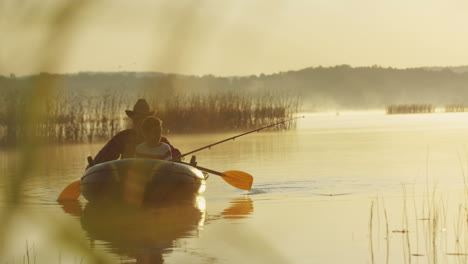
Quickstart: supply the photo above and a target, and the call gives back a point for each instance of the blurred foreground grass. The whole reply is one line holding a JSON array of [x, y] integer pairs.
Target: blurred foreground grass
[[57, 20], [57, 23]]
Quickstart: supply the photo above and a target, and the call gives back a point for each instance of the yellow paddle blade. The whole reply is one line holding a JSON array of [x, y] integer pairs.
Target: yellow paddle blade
[[238, 179], [71, 192]]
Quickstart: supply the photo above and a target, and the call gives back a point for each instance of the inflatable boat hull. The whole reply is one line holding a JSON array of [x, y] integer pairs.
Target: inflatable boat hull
[[137, 180]]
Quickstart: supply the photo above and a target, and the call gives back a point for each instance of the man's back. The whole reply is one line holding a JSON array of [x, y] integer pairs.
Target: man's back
[[123, 145]]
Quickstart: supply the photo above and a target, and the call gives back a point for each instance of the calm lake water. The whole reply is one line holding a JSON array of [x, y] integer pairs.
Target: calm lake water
[[350, 188]]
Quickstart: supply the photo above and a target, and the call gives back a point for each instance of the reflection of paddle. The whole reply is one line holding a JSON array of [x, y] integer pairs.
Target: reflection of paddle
[[72, 207], [239, 179], [240, 208]]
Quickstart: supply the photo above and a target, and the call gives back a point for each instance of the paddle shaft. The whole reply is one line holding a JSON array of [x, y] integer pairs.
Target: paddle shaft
[[238, 179], [234, 137], [204, 169]]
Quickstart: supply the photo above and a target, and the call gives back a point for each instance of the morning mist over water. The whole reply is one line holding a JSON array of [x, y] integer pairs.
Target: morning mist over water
[[349, 122], [77, 112], [340, 87]]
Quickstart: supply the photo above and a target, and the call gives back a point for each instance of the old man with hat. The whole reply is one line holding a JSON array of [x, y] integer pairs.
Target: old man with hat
[[123, 144]]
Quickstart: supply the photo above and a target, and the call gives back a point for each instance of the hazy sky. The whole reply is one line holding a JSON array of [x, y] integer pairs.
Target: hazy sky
[[233, 37]]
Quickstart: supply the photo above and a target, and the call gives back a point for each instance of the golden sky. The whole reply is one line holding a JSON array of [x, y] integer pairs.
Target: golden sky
[[230, 37]]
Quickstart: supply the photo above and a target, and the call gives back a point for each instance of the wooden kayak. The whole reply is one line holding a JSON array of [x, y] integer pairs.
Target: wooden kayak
[[140, 180]]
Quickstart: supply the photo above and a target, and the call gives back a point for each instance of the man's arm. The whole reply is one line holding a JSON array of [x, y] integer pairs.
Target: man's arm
[[112, 150], [175, 152]]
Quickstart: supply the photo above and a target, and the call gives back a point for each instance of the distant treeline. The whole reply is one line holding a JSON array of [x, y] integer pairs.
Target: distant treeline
[[81, 110], [320, 88], [344, 87]]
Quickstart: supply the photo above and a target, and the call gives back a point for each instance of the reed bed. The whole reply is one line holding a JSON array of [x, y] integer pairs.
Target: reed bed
[[68, 119], [410, 109], [455, 108], [224, 112], [71, 117], [423, 108]]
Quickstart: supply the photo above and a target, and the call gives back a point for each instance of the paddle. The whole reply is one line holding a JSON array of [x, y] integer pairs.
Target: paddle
[[71, 192], [238, 179]]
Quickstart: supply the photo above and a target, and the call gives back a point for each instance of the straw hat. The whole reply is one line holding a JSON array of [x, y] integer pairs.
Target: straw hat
[[141, 108]]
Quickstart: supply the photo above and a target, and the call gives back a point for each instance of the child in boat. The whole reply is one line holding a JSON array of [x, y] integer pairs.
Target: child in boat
[[152, 147]]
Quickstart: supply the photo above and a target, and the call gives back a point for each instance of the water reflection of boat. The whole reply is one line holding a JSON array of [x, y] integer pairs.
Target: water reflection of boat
[[136, 180], [144, 234], [147, 233]]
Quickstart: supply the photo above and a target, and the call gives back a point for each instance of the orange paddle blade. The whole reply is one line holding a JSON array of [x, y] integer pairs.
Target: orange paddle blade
[[71, 192], [240, 208], [238, 179]]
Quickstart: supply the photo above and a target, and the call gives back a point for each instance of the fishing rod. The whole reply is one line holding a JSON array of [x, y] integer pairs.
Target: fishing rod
[[234, 137]]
